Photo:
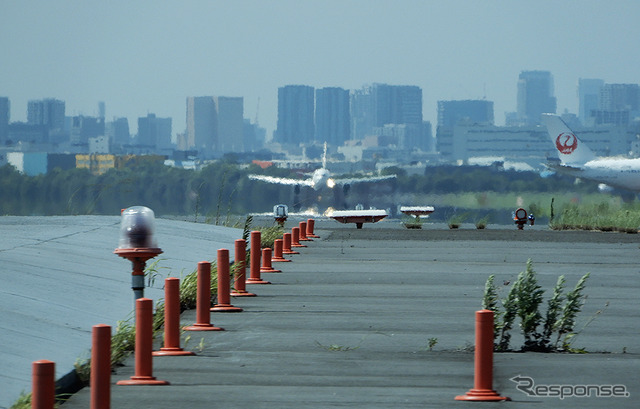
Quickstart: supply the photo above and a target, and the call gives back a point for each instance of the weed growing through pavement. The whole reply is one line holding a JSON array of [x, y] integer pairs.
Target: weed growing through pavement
[[524, 302], [432, 343], [338, 348]]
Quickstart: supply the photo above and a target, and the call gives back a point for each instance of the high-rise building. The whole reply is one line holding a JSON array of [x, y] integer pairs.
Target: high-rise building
[[295, 115], [215, 125], [618, 97], [230, 124], [5, 111], [49, 112], [470, 111], [118, 131], [535, 96], [381, 104], [83, 128], [397, 104], [102, 109], [154, 132], [362, 112], [619, 104], [333, 124], [201, 125], [451, 113], [588, 98]]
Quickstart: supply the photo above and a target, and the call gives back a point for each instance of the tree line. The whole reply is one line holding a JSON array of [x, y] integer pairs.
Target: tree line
[[222, 188]]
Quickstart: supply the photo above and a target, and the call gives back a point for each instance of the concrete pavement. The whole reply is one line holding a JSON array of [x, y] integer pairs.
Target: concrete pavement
[[349, 323], [60, 277]]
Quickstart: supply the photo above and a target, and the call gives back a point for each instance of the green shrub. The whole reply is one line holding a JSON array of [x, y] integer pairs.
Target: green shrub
[[524, 301]]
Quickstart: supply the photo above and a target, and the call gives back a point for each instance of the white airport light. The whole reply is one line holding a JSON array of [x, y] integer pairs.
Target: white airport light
[[280, 210], [137, 228], [280, 213], [137, 243]]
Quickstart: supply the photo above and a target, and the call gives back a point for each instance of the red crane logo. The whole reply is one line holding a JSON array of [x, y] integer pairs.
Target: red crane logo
[[566, 143]]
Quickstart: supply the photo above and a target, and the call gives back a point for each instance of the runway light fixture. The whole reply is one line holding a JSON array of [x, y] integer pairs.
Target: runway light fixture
[[137, 243], [280, 213]]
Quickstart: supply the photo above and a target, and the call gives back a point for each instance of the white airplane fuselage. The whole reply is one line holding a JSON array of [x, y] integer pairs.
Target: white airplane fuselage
[[616, 172], [321, 178]]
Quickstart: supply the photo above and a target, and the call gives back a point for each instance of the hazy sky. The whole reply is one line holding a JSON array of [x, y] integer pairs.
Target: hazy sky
[[144, 57]]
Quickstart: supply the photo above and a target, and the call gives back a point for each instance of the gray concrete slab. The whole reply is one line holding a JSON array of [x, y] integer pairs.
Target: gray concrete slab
[[348, 323], [60, 277]]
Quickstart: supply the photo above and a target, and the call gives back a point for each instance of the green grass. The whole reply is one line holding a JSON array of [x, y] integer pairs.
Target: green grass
[[539, 202], [593, 211], [603, 217]]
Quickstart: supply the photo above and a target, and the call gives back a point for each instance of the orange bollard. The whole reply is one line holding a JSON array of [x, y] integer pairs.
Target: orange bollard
[[203, 300], [144, 345], [43, 384], [224, 303], [310, 226], [295, 237], [101, 367], [483, 375], [286, 244], [303, 232], [172, 320], [254, 258], [277, 252], [240, 276], [267, 267]]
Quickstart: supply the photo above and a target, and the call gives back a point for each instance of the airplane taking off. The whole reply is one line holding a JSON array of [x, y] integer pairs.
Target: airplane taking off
[[320, 178], [576, 159]]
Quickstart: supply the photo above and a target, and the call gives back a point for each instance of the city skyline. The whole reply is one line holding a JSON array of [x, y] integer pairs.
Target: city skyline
[[147, 57]]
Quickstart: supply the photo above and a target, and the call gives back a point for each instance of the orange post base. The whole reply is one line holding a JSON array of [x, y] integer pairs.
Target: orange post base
[[202, 327], [225, 308], [142, 380], [482, 395], [172, 351], [243, 293]]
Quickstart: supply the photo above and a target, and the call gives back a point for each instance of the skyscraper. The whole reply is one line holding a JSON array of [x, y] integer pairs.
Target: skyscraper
[[49, 112], [475, 111], [362, 112], [450, 113], [5, 109], [333, 123], [588, 98], [618, 97], [397, 104], [154, 132], [619, 104], [215, 125], [201, 125], [230, 124], [381, 104], [118, 131], [535, 96], [295, 115]]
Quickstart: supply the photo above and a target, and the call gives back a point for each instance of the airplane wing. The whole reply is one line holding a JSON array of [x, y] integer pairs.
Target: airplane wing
[[350, 181], [281, 181]]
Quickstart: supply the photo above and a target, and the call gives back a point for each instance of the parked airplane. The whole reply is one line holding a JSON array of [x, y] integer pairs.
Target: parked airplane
[[576, 159], [320, 178]]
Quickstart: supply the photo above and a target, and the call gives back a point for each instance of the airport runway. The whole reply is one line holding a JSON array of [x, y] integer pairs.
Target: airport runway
[[349, 323]]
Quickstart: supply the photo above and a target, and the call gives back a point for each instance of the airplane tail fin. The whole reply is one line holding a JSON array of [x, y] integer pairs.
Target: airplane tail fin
[[571, 150]]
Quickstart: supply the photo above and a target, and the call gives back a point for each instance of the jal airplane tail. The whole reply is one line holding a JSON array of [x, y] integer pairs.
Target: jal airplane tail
[[571, 150]]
